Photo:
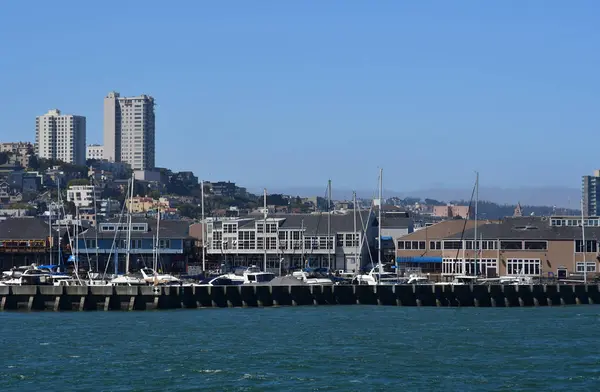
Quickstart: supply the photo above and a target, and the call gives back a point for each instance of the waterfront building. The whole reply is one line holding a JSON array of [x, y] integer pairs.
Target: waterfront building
[[95, 151], [129, 130], [531, 246], [590, 189], [61, 137], [23, 241], [109, 240], [295, 240]]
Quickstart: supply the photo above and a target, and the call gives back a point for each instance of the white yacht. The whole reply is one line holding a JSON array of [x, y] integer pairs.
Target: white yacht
[[127, 280], [250, 275], [377, 277], [460, 280], [150, 276], [516, 280], [418, 279], [31, 276], [312, 279]]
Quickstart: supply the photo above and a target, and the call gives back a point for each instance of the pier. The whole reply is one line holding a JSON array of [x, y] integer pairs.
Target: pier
[[129, 298]]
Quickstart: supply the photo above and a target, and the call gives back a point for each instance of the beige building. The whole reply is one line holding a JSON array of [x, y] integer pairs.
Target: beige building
[[60, 136], [146, 204], [129, 130], [451, 211], [17, 148], [532, 246]]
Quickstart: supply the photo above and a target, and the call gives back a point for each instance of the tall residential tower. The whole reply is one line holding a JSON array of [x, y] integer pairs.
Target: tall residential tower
[[590, 189], [60, 136], [129, 131]]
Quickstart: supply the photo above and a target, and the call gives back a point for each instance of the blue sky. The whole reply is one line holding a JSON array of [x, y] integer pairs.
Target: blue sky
[[286, 93]]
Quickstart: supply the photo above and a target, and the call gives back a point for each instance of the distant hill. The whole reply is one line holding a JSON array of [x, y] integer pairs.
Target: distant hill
[[561, 197]]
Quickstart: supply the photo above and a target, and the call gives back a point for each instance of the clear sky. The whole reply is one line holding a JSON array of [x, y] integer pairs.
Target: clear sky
[[295, 92]]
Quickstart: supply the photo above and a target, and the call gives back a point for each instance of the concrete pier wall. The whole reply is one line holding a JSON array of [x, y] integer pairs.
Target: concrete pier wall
[[30, 298]]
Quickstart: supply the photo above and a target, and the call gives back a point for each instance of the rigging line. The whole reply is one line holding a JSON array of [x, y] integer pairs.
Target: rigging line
[[112, 247], [462, 234]]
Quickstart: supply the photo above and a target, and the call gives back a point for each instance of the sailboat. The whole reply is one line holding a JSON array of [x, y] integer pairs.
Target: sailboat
[[377, 275], [128, 279], [149, 274]]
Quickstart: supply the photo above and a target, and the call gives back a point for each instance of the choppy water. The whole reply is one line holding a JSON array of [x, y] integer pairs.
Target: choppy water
[[337, 348]]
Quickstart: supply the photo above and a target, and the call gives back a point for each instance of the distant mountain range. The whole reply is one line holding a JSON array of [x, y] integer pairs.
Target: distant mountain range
[[561, 197]]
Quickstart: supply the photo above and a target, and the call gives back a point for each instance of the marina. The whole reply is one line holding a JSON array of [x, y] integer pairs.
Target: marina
[[146, 297]]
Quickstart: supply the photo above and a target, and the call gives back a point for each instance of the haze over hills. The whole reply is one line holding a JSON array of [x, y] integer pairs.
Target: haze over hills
[[562, 197]]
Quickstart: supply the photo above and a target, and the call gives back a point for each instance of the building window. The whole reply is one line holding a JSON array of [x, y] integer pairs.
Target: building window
[[489, 245], [591, 266], [435, 245], [511, 245], [536, 245], [90, 244], [401, 245], [339, 240], [452, 244], [467, 266], [591, 246], [523, 267], [136, 244]]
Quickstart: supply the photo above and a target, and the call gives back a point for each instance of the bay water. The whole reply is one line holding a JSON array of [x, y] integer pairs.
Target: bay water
[[323, 348]]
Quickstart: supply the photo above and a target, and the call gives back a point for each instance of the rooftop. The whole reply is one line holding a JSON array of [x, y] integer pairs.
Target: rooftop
[[528, 228]]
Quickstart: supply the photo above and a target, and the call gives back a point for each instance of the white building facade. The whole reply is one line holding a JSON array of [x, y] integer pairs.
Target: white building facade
[[83, 196], [61, 137], [95, 151], [295, 240], [129, 130]]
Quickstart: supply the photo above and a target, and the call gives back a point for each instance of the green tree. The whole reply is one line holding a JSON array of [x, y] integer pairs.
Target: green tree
[[154, 194]]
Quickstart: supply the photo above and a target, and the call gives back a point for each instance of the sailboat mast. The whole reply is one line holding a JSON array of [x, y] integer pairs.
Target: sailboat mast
[[265, 229], [302, 238], [475, 247], [129, 223], [379, 218], [355, 236], [583, 246], [50, 238], [203, 230], [328, 225], [155, 264]]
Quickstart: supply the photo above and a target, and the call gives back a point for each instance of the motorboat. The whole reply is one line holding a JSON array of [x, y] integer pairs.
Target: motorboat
[[418, 279], [312, 277], [377, 277], [127, 280], [16, 272], [516, 280], [250, 275], [31, 276], [222, 280], [150, 276], [460, 280]]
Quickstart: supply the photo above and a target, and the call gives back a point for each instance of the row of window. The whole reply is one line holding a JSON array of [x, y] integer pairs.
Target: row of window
[[135, 244], [249, 241], [468, 266], [482, 245], [574, 222]]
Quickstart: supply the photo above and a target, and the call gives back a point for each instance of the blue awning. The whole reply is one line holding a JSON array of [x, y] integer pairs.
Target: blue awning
[[419, 259], [386, 238]]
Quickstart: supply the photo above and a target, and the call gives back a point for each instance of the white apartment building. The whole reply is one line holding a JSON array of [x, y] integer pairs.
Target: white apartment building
[[95, 151], [129, 130], [60, 136], [83, 196]]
